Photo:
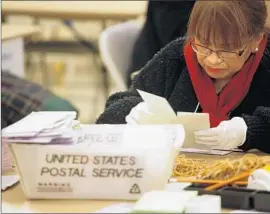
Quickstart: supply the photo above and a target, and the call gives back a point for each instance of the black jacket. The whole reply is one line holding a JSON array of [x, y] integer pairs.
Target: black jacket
[[166, 75], [165, 21]]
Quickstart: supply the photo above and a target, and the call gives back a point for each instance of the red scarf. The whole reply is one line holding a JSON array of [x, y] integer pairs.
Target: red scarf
[[219, 106]]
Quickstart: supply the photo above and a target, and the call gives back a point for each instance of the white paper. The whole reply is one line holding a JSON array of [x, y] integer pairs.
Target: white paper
[[164, 114], [193, 122], [36, 122], [42, 128], [9, 181], [231, 150], [207, 152], [158, 105], [146, 135], [164, 202], [41, 140], [7, 161], [177, 186]]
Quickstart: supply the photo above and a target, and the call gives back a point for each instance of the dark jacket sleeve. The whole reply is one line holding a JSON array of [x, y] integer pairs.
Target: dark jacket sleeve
[[258, 133], [152, 79]]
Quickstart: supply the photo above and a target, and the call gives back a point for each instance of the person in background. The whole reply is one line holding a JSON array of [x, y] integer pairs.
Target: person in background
[[222, 66], [20, 97], [165, 21]]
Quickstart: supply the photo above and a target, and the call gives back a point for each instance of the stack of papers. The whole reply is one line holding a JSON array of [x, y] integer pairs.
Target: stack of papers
[[7, 161], [9, 181], [46, 127]]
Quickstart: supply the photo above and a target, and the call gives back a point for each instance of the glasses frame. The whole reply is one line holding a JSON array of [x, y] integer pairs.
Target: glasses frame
[[192, 43]]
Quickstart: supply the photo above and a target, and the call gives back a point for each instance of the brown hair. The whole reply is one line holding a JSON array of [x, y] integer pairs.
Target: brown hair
[[227, 24]]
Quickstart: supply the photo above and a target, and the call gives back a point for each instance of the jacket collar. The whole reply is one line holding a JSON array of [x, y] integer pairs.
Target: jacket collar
[[183, 97]]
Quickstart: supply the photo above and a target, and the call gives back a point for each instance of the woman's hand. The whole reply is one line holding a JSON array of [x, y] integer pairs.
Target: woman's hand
[[138, 113], [228, 135]]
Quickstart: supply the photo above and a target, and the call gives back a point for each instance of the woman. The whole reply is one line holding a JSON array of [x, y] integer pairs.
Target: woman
[[223, 66]]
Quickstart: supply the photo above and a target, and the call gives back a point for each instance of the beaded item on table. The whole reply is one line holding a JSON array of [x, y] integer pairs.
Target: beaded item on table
[[219, 170]]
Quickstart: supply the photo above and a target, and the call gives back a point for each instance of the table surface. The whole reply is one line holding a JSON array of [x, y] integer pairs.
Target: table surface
[[113, 10], [13, 199], [10, 31]]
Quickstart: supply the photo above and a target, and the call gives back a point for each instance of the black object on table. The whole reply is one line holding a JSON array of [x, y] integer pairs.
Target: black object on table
[[234, 197]]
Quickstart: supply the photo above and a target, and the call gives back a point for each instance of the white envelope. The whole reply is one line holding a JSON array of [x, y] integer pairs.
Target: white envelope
[[164, 114], [158, 105], [193, 122]]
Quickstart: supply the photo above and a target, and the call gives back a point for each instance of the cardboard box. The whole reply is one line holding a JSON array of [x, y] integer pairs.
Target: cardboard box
[[139, 161]]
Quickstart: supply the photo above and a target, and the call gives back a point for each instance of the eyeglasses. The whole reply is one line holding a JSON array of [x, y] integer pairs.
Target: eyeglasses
[[225, 55]]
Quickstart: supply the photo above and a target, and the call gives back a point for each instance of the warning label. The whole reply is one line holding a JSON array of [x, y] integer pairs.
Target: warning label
[[54, 187], [135, 189]]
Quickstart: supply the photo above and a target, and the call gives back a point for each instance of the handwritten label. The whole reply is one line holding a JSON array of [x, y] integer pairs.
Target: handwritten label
[[100, 138], [105, 134], [141, 136]]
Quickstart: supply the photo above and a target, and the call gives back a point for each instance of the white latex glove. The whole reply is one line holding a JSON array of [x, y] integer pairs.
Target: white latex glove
[[227, 135], [137, 113]]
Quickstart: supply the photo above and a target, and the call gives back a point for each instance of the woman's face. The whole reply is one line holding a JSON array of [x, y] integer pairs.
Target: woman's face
[[222, 64]]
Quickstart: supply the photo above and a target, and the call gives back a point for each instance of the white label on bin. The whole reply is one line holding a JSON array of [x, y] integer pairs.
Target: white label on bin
[[63, 170]]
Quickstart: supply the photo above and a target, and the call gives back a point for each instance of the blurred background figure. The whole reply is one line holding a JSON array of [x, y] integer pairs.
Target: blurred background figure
[[20, 97], [165, 21]]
